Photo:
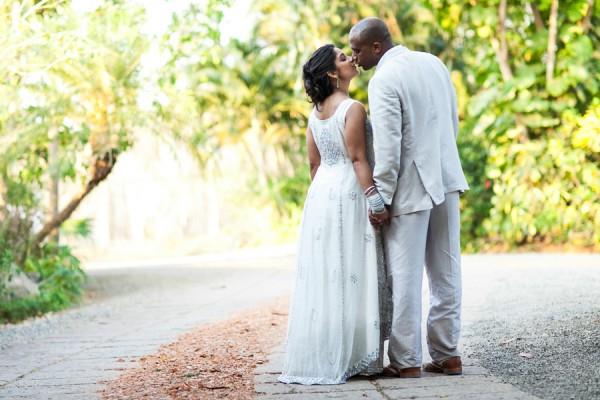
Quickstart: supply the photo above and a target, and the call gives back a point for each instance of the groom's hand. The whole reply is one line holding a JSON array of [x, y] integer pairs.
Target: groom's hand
[[373, 220], [385, 216], [378, 219]]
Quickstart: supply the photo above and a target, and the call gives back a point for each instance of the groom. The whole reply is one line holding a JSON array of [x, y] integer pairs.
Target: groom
[[418, 173]]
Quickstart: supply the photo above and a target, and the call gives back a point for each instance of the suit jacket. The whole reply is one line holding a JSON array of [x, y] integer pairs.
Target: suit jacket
[[415, 125]]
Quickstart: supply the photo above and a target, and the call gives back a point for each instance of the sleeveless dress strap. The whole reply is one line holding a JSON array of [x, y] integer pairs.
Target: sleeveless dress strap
[[344, 107]]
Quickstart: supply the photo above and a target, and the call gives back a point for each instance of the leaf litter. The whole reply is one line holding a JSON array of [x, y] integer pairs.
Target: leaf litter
[[215, 361]]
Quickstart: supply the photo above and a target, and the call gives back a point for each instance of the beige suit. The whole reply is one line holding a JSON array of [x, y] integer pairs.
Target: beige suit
[[418, 172]]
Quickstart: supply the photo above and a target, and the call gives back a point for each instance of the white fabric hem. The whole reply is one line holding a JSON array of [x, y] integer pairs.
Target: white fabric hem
[[358, 368], [305, 380]]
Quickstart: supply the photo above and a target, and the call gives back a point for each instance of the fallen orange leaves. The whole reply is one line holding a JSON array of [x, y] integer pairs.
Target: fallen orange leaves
[[215, 361]]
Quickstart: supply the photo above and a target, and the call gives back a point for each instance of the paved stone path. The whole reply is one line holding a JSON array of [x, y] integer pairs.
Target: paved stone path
[[503, 287], [134, 310], [476, 383], [68, 355]]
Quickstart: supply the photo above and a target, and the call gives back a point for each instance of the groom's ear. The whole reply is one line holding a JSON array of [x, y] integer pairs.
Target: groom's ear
[[377, 47]]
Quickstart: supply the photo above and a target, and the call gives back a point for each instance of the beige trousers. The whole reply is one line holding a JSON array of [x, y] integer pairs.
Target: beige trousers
[[430, 238]]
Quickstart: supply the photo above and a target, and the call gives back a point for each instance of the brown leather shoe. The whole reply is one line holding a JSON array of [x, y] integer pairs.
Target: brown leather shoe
[[413, 372], [450, 366]]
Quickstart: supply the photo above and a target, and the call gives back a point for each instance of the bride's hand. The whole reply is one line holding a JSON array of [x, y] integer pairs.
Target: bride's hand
[[378, 219]]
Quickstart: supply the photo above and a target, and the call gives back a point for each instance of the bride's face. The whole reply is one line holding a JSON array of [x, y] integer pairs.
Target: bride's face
[[344, 66]]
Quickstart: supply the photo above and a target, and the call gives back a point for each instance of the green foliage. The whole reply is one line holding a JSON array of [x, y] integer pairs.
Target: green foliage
[[528, 130], [77, 227], [548, 190], [6, 262], [69, 99], [68, 108], [476, 202], [60, 284], [73, 80], [196, 82], [519, 133], [60, 275], [289, 192]]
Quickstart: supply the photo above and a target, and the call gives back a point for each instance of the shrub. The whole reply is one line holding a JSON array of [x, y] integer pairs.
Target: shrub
[[60, 284]]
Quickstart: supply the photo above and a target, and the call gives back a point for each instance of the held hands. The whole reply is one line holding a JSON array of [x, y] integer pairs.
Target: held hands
[[378, 212], [379, 219]]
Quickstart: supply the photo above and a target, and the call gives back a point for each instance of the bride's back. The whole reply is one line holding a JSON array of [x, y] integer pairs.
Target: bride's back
[[327, 125], [328, 107]]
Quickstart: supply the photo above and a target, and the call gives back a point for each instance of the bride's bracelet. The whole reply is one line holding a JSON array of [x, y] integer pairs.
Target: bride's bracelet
[[370, 190], [376, 202]]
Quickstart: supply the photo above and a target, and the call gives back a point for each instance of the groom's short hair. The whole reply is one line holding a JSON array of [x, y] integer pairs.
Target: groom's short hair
[[371, 30]]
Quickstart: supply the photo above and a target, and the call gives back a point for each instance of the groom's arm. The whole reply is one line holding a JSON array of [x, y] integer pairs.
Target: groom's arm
[[386, 119]]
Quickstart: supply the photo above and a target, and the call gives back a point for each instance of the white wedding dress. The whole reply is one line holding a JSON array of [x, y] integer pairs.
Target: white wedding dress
[[335, 329]]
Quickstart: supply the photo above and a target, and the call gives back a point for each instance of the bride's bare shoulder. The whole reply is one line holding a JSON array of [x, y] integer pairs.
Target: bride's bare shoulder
[[357, 110]]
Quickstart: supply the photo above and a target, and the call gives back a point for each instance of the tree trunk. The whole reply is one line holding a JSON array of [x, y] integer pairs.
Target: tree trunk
[[502, 55], [502, 47], [101, 169], [53, 183], [552, 31], [587, 21], [537, 17]]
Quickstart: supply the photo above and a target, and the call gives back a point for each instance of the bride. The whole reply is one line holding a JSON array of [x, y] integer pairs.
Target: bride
[[338, 315]]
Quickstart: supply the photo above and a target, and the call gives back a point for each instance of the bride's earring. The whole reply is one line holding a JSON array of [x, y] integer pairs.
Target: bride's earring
[[337, 82]]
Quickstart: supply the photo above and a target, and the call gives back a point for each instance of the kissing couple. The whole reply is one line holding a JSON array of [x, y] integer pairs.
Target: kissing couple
[[383, 206]]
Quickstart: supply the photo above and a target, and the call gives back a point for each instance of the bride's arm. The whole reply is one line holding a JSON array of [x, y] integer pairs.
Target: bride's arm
[[355, 138], [356, 143], [314, 157]]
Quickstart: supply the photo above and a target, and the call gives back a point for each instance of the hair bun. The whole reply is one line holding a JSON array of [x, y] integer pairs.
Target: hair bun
[[314, 74]]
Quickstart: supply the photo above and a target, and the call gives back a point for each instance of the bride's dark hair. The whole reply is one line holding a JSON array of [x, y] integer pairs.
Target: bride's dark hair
[[317, 84]]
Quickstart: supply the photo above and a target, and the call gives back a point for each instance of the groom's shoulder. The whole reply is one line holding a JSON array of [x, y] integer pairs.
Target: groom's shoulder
[[387, 73], [424, 56], [432, 58]]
